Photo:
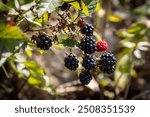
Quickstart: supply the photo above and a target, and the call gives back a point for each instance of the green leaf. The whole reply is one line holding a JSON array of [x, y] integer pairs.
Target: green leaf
[[127, 44], [91, 6], [122, 71], [125, 34], [69, 42], [11, 40], [79, 6], [37, 74], [48, 6], [136, 28]]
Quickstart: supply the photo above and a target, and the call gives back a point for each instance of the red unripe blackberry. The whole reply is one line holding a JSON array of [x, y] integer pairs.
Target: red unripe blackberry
[[43, 42], [88, 45], [87, 29], [71, 62], [89, 62], [102, 45], [85, 77], [81, 22]]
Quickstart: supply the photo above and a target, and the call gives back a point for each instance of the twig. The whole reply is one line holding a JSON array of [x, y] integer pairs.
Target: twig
[[130, 77], [37, 29], [140, 95]]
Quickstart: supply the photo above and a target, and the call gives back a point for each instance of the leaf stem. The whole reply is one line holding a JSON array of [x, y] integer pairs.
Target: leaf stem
[[5, 71]]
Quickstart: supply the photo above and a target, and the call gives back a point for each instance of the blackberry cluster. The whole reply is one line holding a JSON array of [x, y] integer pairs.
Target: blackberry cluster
[[88, 45], [87, 29], [89, 62], [71, 62], [107, 61], [85, 77], [43, 42]]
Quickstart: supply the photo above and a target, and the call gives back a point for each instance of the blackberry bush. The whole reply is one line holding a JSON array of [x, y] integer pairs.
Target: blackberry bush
[[88, 45], [85, 77], [89, 62], [71, 62], [87, 29], [43, 42]]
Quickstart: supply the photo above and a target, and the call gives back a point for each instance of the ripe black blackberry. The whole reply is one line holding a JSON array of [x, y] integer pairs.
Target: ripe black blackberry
[[65, 6], [107, 61], [43, 42], [89, 62], [85, 77], [87, 29], [88, 45], [71, 62]]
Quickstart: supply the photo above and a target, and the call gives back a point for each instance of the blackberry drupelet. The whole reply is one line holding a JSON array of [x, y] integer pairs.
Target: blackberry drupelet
[[89, 62], [85, 77], [43, 42], [87, 29], [88, 45], [71, 62], [107, 61]]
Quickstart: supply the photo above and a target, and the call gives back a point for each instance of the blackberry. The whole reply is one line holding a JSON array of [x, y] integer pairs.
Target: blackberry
[[85, 77], [89, 62], [87, 29], [107, 59], [71, 62], [102, 45], [88, 45], [43, 42], [108, 69], [65, 7]]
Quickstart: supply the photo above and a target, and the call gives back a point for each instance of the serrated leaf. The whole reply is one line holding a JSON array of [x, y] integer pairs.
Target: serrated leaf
[[11, 40], [17, 5], [69, 42], [31, 18], [122, 71], [127, 44], [36, 73], [91, 6], [48, 6], [115, 18], [136, 28], [79, 5]]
